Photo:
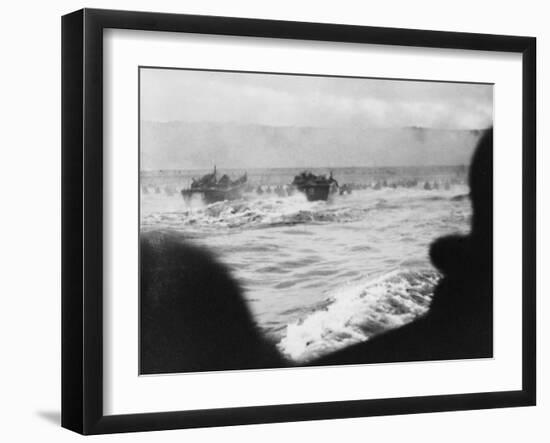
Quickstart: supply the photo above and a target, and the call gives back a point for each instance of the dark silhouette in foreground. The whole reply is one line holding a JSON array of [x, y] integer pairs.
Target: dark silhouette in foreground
[[459, 323], [194, 317]]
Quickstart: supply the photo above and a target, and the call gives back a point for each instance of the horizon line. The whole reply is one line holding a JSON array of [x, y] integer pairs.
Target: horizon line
[[308, 167], [485, 128]]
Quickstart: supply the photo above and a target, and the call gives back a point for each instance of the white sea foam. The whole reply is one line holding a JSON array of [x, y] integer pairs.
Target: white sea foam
[[252, 212], [358, 312], [269, 210]]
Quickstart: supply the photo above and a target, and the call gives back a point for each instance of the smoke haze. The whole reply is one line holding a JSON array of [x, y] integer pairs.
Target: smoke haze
[[195, 119]]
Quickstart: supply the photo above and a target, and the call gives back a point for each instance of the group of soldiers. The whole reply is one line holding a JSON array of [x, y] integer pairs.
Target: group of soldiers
[[279, 190], [209, 181], [288, 190]]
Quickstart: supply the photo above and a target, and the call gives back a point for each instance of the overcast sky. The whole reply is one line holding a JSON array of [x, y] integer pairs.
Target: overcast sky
[[291, 100], [195, 119]]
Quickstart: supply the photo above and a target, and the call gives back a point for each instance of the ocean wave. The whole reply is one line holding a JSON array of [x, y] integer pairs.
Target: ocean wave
[[256, 212], [357, 312], [272, 211]]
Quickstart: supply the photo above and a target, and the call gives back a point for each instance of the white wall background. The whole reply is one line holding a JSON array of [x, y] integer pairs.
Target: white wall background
[[30, 218]]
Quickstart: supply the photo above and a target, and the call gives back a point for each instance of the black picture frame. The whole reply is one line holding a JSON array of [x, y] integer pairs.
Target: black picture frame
[[82, 218]]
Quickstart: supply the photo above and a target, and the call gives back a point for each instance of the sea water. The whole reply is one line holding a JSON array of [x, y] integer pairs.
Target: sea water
[[319, 276]]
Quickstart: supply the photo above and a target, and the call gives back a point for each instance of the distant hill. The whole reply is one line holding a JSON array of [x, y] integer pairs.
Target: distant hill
[[182, 145]]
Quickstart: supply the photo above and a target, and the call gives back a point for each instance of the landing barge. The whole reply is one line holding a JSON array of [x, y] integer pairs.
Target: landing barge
[[213, 190], [315, 187]]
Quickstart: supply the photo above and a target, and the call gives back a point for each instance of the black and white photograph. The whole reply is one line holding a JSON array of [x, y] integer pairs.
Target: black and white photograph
[[275, 222], [305, 220]]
